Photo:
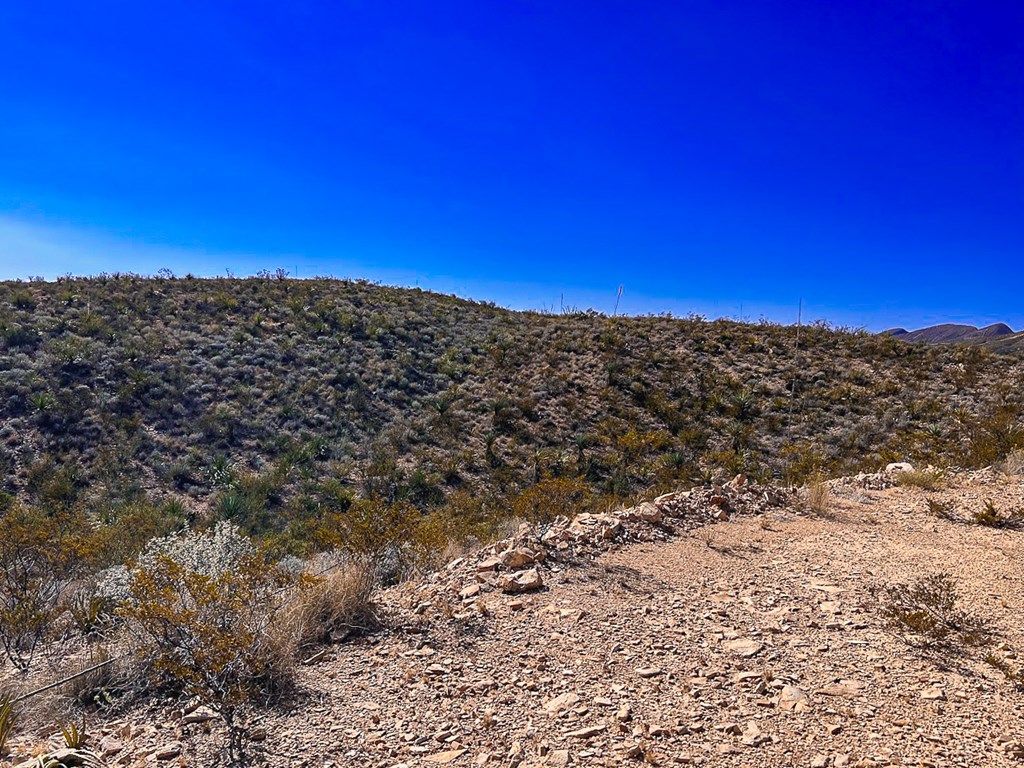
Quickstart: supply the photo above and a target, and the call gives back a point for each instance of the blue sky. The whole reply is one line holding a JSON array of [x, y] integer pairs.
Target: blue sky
[[866, 157]]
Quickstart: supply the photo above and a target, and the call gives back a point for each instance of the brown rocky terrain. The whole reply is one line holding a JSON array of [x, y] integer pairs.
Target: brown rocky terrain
[[728, 626]]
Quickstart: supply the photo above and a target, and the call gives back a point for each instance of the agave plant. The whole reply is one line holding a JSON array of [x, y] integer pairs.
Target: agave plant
[[70, 758], [74, 736]]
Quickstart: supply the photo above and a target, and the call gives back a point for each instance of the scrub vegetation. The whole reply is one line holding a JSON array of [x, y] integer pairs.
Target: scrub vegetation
[[322, 413], [180, 458]]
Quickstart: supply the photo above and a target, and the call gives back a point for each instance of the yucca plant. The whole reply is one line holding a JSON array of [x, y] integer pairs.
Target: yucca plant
[[90, 614], [8, 718]]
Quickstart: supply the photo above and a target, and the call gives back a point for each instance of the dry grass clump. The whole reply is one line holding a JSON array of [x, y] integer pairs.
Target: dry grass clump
[[929, 479], [926, 614], [816, 497], [330, 606], [1013, 464]]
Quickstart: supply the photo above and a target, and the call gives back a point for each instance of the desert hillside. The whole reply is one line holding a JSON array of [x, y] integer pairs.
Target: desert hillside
[[998, 337], [243, 519], [150, 403], [740, 625]]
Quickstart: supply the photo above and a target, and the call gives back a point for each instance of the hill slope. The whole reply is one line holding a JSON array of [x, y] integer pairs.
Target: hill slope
[[268, 401], [997, 337]]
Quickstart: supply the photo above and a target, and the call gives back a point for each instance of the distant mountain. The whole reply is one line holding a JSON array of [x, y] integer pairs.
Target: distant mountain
[[998, 336]]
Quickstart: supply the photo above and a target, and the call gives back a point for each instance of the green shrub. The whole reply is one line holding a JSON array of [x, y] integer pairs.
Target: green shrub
[[926, 614], [990, 515]]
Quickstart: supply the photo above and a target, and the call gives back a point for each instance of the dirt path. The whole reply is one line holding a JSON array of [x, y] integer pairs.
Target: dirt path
[[748, 643]]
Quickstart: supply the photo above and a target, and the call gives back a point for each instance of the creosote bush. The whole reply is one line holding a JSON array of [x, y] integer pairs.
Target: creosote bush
[[990, 515], [201, 607], [40, 557], [926, 614]]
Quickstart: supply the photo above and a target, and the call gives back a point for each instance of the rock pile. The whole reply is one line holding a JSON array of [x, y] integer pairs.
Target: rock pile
[[872, 481], [518, 564]]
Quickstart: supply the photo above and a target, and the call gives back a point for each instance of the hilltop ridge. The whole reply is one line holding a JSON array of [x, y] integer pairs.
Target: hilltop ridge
[[997, 336]]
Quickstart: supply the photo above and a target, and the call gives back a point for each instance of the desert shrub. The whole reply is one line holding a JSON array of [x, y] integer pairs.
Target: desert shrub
[[926, 479], [996, 435], [19, 336], [40, 557], [551, 497], [251, 502], [990, 515], [368, 526], [926, 614], [201, 606], [128, 528], [943, 510]]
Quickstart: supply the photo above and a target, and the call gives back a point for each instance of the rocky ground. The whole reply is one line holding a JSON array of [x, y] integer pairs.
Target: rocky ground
[[731, 627]]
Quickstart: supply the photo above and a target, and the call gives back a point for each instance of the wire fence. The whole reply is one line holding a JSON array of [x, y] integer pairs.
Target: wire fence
[[69, 678]]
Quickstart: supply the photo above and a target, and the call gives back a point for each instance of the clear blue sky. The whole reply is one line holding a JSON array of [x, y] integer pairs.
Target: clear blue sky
[[866, 156]]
